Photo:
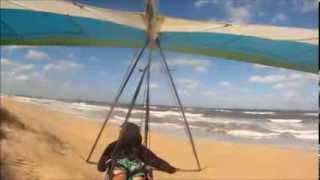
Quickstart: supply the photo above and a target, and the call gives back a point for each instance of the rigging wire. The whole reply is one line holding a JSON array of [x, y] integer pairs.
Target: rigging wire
[[117, 99], [147, 116], [131, 106], [163, 57]]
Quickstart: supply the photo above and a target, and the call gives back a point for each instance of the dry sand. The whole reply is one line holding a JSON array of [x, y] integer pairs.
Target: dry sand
[[42, 144]]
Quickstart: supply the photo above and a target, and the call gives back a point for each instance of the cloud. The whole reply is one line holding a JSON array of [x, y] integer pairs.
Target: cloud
[[70, 56], [286, 85], [22, 77], [154, 85], [14, 67], [280, 17], [200, 69], [14, 47], [208, 93], [260, 66], [198, 65], [201, 3], [225, 84], [189, 84], [23, 67], [36, 55], [305, 6], [285, 81], [267, 79], [62, 65], [5, 61], [238, 14]]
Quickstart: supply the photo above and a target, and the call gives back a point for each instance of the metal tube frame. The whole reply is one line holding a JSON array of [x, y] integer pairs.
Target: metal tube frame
[[124, 84]]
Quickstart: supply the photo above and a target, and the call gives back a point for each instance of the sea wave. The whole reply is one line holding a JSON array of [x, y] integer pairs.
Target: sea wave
[[258, 113], [311, 114], [177, 126], [286, 120], [307, 136], [252, 134], [223, 110], [88, 107]]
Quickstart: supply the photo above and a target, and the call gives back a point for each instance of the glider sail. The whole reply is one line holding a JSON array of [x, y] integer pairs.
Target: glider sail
[[59, 22]]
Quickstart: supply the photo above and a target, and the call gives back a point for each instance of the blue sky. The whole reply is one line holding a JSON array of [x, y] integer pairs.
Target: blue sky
[[95, 73]]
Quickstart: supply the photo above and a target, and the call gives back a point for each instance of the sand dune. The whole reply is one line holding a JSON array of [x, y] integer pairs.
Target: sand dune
[[41, 144]]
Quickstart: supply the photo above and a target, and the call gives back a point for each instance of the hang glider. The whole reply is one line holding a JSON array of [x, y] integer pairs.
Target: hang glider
[[59, 22]]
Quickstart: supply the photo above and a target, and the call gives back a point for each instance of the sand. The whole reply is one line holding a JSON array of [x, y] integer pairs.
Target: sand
[[44, 144]]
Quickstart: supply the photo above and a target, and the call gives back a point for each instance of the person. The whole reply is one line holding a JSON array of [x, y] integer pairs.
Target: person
[[128, 159]]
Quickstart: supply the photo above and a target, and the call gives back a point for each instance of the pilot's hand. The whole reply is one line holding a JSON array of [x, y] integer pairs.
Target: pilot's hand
[[173, 170]]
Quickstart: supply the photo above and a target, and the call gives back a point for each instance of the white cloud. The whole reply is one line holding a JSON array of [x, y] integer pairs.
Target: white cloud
[[22, 77], [286, 81], [267, 79], [291, 94], [260, 66], [12, 48], [198, 65], [225, 83], [305, 6], [238, 14], [154, 85], [208, 93], [286, 85], [200, 69], [201, 3], [12, 67], [5, 61], [36, 55], [62, 65], [280, 17], [23, 67], [70, 55], [188, 83]]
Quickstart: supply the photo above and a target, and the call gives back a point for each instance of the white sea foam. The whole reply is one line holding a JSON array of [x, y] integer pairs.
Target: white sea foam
[[34, 100], [223, 110], [259, 113], [252, 134], [286, 120], [311, 114], [307, 136], [300, 134], [88, 107], [162, 114], [295, 131], [21, 99], [177, 126], [125, 110]]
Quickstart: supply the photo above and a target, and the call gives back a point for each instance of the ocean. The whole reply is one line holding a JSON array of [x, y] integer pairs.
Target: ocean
[[293, 129]]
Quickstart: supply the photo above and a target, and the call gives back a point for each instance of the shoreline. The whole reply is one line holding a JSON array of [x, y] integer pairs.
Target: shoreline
[[197, 132], [246, 161]]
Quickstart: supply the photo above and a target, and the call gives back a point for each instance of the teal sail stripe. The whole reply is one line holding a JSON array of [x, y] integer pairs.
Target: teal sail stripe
[[41, 28], [287, 54]]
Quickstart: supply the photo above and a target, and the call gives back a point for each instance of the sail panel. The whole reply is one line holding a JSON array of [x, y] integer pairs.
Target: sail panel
[[279, 53]]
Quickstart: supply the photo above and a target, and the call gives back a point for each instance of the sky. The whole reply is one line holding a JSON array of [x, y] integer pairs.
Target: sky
[[92, 73]]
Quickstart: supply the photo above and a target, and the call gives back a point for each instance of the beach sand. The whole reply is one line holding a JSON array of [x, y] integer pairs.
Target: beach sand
[[42, 144]]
